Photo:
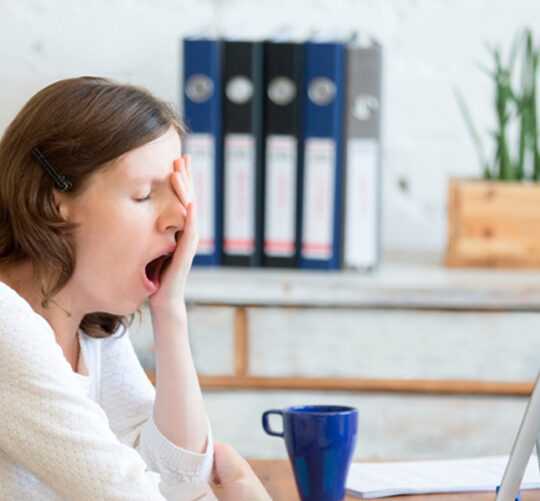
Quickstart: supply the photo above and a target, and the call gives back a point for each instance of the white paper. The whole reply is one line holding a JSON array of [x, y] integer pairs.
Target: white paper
[[361, 193], [280, 196], [202, 149], [239, 202], [374, 480], [318, 207]]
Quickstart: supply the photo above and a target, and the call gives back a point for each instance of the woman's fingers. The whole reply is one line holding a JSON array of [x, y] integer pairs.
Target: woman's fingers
[[188, 170], [190, 229], [182, 180], [182, 189]]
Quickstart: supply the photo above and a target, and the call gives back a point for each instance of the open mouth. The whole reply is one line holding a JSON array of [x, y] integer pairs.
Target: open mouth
[[155, 269]]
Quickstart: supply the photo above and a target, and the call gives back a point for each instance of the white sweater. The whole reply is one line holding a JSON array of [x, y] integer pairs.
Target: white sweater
[[65, 435]]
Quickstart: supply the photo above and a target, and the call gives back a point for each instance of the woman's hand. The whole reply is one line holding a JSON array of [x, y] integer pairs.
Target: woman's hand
[[234, 480], [170, 294]]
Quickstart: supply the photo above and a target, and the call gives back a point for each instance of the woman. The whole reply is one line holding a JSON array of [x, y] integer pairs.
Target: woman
[[97, 214]]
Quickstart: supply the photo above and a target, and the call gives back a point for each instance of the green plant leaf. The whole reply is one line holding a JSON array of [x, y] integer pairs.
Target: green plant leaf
[[472, 130], [515, 104]]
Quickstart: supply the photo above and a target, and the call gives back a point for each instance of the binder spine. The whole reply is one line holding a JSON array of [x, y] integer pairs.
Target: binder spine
[[202, 114], [243, 182], [282, 133], [321, 229], [362, 169]]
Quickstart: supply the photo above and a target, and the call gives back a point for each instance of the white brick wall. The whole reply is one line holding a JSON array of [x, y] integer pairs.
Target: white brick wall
[[430, 45], [390, 426]]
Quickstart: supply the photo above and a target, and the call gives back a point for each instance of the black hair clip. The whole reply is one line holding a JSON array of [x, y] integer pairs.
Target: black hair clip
[[62, 183]]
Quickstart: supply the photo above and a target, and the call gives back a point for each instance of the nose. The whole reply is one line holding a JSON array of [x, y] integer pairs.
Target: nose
[[173, 214]]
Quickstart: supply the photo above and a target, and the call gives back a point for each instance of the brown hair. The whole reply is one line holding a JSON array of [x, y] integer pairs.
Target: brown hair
[[81, 125]]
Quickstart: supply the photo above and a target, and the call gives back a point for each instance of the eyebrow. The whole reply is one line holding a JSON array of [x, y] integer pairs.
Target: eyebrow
[[145, 179]]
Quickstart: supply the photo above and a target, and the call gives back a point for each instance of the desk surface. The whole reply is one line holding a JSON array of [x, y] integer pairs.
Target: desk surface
[[277, 477]]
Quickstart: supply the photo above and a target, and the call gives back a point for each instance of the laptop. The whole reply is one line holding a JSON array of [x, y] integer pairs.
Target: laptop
[[528, 435]]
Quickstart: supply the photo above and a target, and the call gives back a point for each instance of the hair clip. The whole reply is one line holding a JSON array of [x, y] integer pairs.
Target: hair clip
[[62, 183]]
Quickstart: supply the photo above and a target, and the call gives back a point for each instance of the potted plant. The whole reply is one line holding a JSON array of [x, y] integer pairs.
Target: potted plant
[[496, 221]]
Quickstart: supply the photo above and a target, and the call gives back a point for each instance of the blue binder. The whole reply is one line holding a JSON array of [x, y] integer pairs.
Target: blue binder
[[202, 115], [322, 185]]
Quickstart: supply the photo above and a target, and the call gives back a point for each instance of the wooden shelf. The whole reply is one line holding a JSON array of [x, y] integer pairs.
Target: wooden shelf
[[363, 385], [404, 281]]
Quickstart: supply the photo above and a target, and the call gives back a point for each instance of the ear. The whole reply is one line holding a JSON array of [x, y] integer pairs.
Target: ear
[[61, 204]]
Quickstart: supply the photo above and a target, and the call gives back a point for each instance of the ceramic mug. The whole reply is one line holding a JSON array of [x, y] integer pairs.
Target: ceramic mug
[[320, 441]]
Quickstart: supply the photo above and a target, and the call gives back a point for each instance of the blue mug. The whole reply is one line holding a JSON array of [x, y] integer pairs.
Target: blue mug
[[320, 441]]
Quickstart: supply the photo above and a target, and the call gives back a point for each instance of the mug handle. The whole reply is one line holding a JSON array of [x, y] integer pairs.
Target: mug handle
[[266, 424]]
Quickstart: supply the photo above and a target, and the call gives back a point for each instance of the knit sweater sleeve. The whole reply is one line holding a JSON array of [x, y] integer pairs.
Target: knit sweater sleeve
[[127, 396], [51, 428]]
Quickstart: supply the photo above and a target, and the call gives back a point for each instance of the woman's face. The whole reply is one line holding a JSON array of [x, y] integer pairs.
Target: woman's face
[[121, 230]]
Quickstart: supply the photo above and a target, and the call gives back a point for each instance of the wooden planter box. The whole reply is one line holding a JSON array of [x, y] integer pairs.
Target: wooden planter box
[[493, 224]]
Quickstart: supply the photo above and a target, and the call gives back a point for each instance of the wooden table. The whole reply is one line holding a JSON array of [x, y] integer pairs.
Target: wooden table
[[277, 477]]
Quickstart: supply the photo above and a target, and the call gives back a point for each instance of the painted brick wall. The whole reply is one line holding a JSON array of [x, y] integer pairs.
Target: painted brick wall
[[430, 46]]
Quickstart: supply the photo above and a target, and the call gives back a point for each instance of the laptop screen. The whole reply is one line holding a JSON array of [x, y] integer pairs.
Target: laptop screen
[[526, 438]]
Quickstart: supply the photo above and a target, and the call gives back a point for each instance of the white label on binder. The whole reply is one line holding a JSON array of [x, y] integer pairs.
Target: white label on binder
[[361, 204], [280, 196], [202, 149], [319, 186], [239, 202]]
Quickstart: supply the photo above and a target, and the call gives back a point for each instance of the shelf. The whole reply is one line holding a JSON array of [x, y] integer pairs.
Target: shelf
[[404, 281], [432, 386]]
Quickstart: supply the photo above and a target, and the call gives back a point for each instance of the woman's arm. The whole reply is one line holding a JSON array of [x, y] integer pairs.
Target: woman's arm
[[128, 398], [174, 436], [178, 410], [234, 480]]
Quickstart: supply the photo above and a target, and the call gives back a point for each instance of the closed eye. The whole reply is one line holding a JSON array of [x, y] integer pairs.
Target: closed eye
[[143, 199]]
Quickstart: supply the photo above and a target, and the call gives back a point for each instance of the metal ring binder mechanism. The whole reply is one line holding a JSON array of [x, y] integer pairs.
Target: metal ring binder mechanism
[[62, 183], [529, 433]]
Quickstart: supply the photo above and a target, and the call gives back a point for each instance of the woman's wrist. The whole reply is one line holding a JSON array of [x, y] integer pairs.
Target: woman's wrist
[[176, 311], [169, 325]]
